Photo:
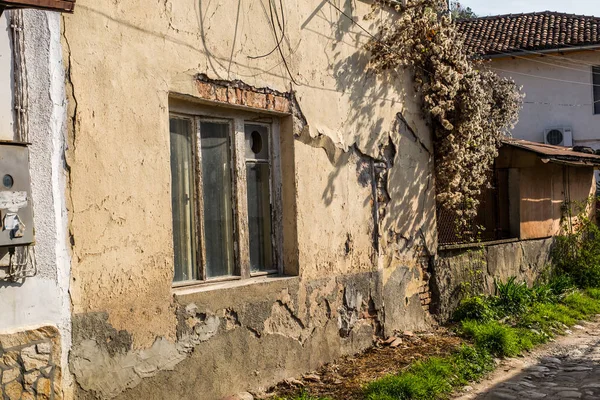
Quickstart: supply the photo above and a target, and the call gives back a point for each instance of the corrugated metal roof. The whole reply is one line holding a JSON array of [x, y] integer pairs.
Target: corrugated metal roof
[[560, 154], [514, 33]]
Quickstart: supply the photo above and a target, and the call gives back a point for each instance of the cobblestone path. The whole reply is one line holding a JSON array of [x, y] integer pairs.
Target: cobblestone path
[[566, 369]]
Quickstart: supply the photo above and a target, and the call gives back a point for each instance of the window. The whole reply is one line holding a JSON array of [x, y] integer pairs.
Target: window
[[224, 197], [596, 88]]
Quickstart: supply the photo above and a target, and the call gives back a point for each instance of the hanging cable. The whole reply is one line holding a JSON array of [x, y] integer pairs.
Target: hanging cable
[[564, 59], [21, 99], [546, 63], [546, 77], [281, 26]]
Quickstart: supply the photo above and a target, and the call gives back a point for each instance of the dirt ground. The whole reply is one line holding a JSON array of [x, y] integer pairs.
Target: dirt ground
[[514, 378], [344, 379]]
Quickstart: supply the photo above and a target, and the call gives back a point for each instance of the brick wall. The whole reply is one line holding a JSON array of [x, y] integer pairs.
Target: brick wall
[[238, 93]]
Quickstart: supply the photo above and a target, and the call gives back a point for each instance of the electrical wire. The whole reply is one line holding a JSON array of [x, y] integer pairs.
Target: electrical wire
[[546, 77], [562, 58], [369, 33], [546, 63], [273, 26], [562, 104]]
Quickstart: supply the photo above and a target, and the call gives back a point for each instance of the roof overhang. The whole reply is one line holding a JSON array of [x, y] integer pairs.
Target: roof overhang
[[525, 53], [555, 154], [52, 5]]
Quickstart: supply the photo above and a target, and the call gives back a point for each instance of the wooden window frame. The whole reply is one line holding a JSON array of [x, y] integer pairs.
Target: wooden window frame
[[52, 5], [595, 89], [237, 120]]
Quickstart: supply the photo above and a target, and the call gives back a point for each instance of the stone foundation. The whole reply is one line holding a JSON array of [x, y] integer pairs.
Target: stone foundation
[[459, 272], [30, 365]]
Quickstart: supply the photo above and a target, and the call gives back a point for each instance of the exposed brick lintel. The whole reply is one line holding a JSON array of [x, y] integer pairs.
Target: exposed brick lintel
[[238, 93]]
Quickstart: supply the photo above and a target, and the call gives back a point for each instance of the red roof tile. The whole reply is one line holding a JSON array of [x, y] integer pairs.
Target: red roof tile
[[515, 33]]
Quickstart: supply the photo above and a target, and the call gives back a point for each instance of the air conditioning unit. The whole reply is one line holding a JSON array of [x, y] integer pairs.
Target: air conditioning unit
[[559, 137]]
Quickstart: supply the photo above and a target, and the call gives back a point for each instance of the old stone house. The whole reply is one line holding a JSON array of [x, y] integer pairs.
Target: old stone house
[[222, 198]]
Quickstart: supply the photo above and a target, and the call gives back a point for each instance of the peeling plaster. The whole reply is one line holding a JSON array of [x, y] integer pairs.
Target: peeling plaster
[[104, 361], [122, 241]]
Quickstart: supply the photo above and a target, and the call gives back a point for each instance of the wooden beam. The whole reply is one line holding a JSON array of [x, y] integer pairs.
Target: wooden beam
[[53, 5]]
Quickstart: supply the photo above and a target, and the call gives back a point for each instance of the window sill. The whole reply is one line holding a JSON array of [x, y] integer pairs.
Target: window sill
[[229, 284]]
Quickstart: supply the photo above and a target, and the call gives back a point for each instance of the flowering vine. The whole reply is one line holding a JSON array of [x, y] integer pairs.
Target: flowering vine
[[469, 107]]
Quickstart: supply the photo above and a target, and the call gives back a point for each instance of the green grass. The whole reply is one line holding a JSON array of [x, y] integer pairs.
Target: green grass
[[593, 293], [535, 316], [433, 378]]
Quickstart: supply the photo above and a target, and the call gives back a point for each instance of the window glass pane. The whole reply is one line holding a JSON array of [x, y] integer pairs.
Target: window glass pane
[[216, 187], [257, 142], [258, 177], [182, 199], [596, 82], [259, 216]]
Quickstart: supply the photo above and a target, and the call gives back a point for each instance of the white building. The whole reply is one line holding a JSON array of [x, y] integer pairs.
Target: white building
[[553, 56], [35, 314]]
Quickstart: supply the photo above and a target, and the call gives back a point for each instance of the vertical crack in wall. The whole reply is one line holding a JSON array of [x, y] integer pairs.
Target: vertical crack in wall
[[72, 131]]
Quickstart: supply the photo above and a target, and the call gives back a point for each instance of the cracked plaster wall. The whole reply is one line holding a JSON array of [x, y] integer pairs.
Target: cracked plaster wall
[[360, 190]]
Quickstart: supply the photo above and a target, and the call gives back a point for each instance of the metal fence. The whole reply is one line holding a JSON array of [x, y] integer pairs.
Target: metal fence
[[492, 221]]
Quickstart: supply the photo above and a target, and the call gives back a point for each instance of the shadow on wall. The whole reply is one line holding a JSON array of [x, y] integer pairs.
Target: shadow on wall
[[405, 190], [367, 132]]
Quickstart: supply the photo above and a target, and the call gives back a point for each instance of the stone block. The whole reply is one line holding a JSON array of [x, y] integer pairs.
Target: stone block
[[44, 348], [27, 396], [231, 95], [47, 372], [10, 359], [44, 389], [13, 390], [30, 379], [32, 360], [23, 338], [10, 375], [270, 101]]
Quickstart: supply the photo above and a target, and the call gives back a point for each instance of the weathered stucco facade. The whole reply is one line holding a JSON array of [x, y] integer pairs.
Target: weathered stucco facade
[[357, 189], [355, 232]]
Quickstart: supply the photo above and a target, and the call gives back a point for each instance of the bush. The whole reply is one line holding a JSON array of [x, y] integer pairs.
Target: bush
[[512, 298], [561, 284], [543, 293], [577, 253], [476, 308]]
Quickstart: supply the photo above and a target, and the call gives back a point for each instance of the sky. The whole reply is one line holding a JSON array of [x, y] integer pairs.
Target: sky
[[495, 7]]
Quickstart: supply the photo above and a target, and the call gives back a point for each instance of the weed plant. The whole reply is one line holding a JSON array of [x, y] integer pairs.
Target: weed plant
[[514, 320]]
